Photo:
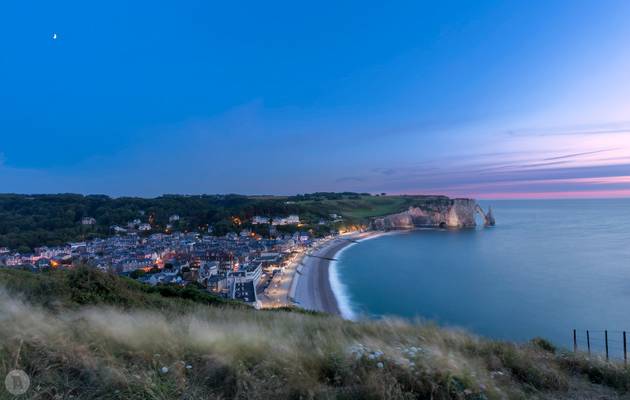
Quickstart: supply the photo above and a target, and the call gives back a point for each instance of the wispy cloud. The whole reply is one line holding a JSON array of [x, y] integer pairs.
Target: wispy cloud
[[575, 155], [589, 129], [539, 170], [385, 171], [586, 193]]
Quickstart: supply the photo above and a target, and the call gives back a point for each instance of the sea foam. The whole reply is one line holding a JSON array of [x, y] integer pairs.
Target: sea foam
[[339, 289], [344, 302]]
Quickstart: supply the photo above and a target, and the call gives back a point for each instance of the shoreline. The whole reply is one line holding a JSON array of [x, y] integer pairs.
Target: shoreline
[[316, 285]]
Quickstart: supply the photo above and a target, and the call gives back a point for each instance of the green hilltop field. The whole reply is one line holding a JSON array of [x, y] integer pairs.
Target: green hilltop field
[[83, 334]]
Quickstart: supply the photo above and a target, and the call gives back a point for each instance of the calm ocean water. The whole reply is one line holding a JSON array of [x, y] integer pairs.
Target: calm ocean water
[[546, 268]]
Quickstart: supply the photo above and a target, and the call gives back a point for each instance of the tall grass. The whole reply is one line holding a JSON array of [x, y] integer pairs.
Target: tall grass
[[201, 352]]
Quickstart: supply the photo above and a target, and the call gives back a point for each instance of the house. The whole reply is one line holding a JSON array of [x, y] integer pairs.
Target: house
[[217, 283], [293, 219], [248, 272], [88, 221], [301, 237], [118, 229], [144, 227], [269, 259], [258, 219], [161, 278], [206, 270], [173, 218], [77, 246], [13, 260], [46, 252], [278, 221], [290, 220], [336, 217]]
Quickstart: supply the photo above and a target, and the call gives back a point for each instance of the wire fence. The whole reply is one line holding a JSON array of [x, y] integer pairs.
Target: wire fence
[[610, 344]]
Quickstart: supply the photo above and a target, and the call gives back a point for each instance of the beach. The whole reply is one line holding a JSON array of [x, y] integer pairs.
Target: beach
[[311, 287]]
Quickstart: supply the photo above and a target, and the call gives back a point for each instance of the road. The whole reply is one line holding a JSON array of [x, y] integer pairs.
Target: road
[[277, 294]]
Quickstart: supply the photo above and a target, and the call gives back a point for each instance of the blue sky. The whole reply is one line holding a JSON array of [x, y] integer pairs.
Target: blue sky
[[486, 98]]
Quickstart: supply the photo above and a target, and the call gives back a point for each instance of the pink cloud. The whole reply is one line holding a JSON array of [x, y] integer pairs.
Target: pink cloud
[[592, 188], [577, 194]]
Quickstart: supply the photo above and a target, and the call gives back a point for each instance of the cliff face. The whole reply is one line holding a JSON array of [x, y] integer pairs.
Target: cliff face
[[439, 212]]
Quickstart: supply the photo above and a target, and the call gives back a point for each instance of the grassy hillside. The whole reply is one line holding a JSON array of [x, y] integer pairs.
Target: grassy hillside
[[63, 289], [85, 335], [362, 208]]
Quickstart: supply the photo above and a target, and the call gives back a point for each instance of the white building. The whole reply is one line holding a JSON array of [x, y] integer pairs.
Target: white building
[[293, 219], [47, 252], [76, 245], [173, 218], [144, 227], [88, 221], [290, 220], [206, 270], [258, 219], [336, 217], [249, 272], [118, 229]]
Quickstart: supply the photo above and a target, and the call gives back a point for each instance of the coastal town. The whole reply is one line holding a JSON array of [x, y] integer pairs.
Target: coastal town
[[242, 266], [262, 259]]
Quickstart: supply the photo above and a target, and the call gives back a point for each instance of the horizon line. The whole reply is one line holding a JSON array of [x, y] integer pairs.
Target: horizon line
[[573, 195]]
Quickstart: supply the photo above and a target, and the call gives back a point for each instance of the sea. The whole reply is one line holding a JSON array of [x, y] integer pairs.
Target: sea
[[547, 267]]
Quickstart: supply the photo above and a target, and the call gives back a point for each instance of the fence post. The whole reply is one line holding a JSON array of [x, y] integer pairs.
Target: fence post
[[588, 342], [606, 339], [625, 350], [574, 341]]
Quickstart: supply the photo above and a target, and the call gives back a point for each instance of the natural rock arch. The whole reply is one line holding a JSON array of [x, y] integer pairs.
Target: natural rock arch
[[488, 218]]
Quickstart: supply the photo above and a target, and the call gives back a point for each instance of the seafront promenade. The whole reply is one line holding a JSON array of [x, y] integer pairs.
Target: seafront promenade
[[278, 294]]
